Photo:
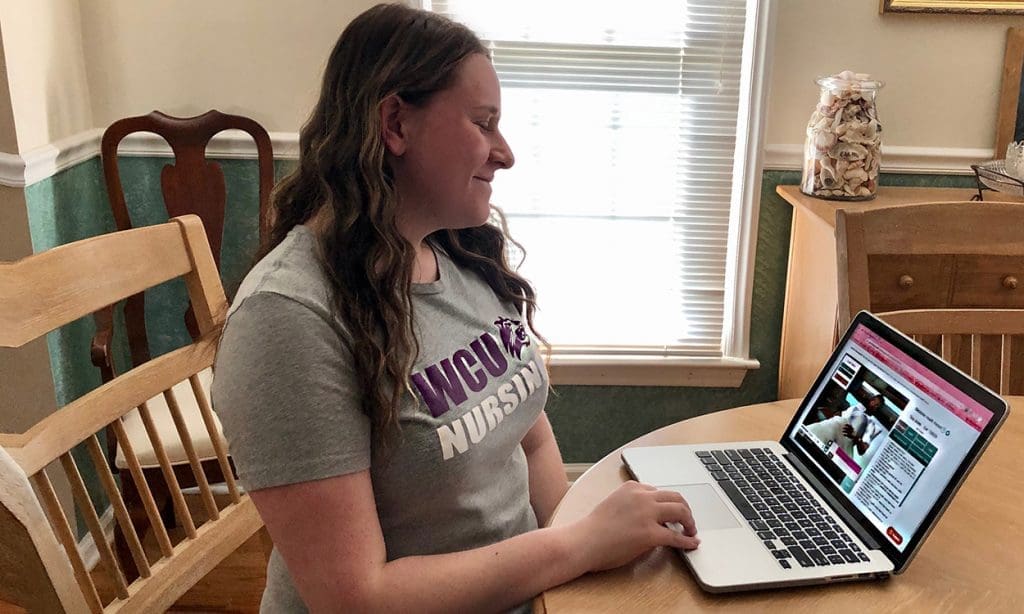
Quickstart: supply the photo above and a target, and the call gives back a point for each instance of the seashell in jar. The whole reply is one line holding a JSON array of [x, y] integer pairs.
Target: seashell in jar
[[855, 177], [859, 132], [848, 151], [823, 141], [822, 124], [873, 163], [836, 122], [829, 180]]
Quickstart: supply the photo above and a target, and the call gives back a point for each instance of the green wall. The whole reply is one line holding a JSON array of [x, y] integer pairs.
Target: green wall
[[589, 421]]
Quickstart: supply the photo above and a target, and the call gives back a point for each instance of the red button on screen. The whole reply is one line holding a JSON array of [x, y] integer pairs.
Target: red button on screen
[[894, 535]]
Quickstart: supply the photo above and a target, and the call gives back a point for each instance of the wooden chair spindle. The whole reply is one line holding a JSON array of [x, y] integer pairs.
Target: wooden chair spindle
[[59, 523], [193, 459], [92, 520]]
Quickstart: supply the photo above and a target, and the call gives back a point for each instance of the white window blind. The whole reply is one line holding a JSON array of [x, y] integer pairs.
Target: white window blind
[[623, 120]]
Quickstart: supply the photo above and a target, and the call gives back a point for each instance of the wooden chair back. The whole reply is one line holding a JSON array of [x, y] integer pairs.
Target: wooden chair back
[[40, 565], [966, 328], [191, 185], [958, 255], [931, 255]]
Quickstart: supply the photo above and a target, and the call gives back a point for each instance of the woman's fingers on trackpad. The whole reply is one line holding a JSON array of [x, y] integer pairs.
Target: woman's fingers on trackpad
[[679, 537]]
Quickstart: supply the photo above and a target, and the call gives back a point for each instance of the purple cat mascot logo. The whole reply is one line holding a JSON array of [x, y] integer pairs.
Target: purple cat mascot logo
[[513, 336]]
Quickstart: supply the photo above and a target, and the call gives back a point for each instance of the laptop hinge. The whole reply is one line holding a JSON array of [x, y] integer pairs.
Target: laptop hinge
[[832, 502]]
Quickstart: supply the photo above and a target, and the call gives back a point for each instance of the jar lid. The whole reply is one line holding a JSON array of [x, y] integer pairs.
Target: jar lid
[[849, 80]]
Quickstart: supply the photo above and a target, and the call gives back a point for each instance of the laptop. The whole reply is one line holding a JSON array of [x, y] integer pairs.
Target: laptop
[[870, 461]]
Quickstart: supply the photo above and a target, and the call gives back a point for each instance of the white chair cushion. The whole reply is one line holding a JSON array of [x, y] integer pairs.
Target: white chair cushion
[[165, 427]]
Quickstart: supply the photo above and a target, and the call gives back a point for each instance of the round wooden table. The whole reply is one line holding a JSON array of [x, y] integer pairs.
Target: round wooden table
[[972, 561]]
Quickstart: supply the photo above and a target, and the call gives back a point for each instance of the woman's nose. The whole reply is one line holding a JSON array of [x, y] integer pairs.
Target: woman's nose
[[502, 153]]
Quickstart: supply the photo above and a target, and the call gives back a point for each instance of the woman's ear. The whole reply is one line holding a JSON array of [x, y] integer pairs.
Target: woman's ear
[[392, 114]]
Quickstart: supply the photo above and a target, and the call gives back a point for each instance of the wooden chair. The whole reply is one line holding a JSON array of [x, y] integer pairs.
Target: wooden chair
[[960, 255], [192, 185], [40, 566], [967, 328]]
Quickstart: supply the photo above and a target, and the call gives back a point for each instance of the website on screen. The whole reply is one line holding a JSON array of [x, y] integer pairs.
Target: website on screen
[[890, 433]]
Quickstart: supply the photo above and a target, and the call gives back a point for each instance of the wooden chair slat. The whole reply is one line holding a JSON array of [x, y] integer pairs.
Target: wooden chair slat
[[167, 470], [142, 486], [899, 230], [215, 437], [62, 529], [44, 291], [980, 325], [1004, 364], [976, 357], [957, 321], [190, 452], [56, 434], [92, 520], [120, 511]]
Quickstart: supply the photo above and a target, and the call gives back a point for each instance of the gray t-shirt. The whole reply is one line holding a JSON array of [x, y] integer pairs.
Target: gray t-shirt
[[285, 390]]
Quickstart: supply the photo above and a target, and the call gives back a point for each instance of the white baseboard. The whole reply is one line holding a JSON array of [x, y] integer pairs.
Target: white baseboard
[[87, 546]]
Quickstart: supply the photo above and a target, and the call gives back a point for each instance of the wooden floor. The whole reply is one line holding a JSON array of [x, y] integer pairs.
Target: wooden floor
[[235, 585]]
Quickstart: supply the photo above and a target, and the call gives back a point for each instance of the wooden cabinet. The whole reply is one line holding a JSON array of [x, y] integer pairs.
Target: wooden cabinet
[[897, 281], [988, 281], [905, 283]]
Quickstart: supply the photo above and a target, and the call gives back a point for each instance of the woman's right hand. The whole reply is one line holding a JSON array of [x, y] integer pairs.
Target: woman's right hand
[[631, 521]]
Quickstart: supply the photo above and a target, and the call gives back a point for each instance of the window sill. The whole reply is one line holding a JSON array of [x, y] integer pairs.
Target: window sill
[[636, 370]]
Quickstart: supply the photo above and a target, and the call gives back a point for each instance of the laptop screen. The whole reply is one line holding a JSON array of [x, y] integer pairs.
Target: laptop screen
[[889, 432]]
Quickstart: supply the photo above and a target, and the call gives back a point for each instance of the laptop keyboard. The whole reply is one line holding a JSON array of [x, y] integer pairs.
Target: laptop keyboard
[[791, 523]]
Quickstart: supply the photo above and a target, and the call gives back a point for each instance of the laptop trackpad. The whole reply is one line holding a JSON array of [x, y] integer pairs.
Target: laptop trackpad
[[709, 511]]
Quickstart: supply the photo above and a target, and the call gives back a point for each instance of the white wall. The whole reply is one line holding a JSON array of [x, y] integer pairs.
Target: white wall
[[942, 72], [260, 58], [264, 58], [8, 134], [49, 95]]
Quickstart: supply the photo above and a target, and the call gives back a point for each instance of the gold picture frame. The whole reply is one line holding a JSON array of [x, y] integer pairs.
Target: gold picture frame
[[983, 7], [1010, 115]]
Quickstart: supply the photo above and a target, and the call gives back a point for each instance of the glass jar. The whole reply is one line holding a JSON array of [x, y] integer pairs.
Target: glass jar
[[842, 153]]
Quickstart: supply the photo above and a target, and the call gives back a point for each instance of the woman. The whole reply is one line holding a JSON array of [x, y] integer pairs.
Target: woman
[[376, 378]]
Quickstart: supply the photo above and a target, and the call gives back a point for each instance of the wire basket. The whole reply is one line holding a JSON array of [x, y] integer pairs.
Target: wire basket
[[994, 176]]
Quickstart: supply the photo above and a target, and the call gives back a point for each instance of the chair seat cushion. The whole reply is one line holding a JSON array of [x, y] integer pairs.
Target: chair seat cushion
[[165, 427]]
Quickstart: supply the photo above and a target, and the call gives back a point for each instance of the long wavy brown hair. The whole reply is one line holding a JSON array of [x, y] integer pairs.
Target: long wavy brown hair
[[389, 49]]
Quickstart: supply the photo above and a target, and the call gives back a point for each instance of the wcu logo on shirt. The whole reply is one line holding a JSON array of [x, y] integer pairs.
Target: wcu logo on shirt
[[513, 336], [446, 381], [443, 385]]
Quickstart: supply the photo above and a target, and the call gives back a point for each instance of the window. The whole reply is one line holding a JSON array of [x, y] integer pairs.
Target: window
[[636, 133]]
